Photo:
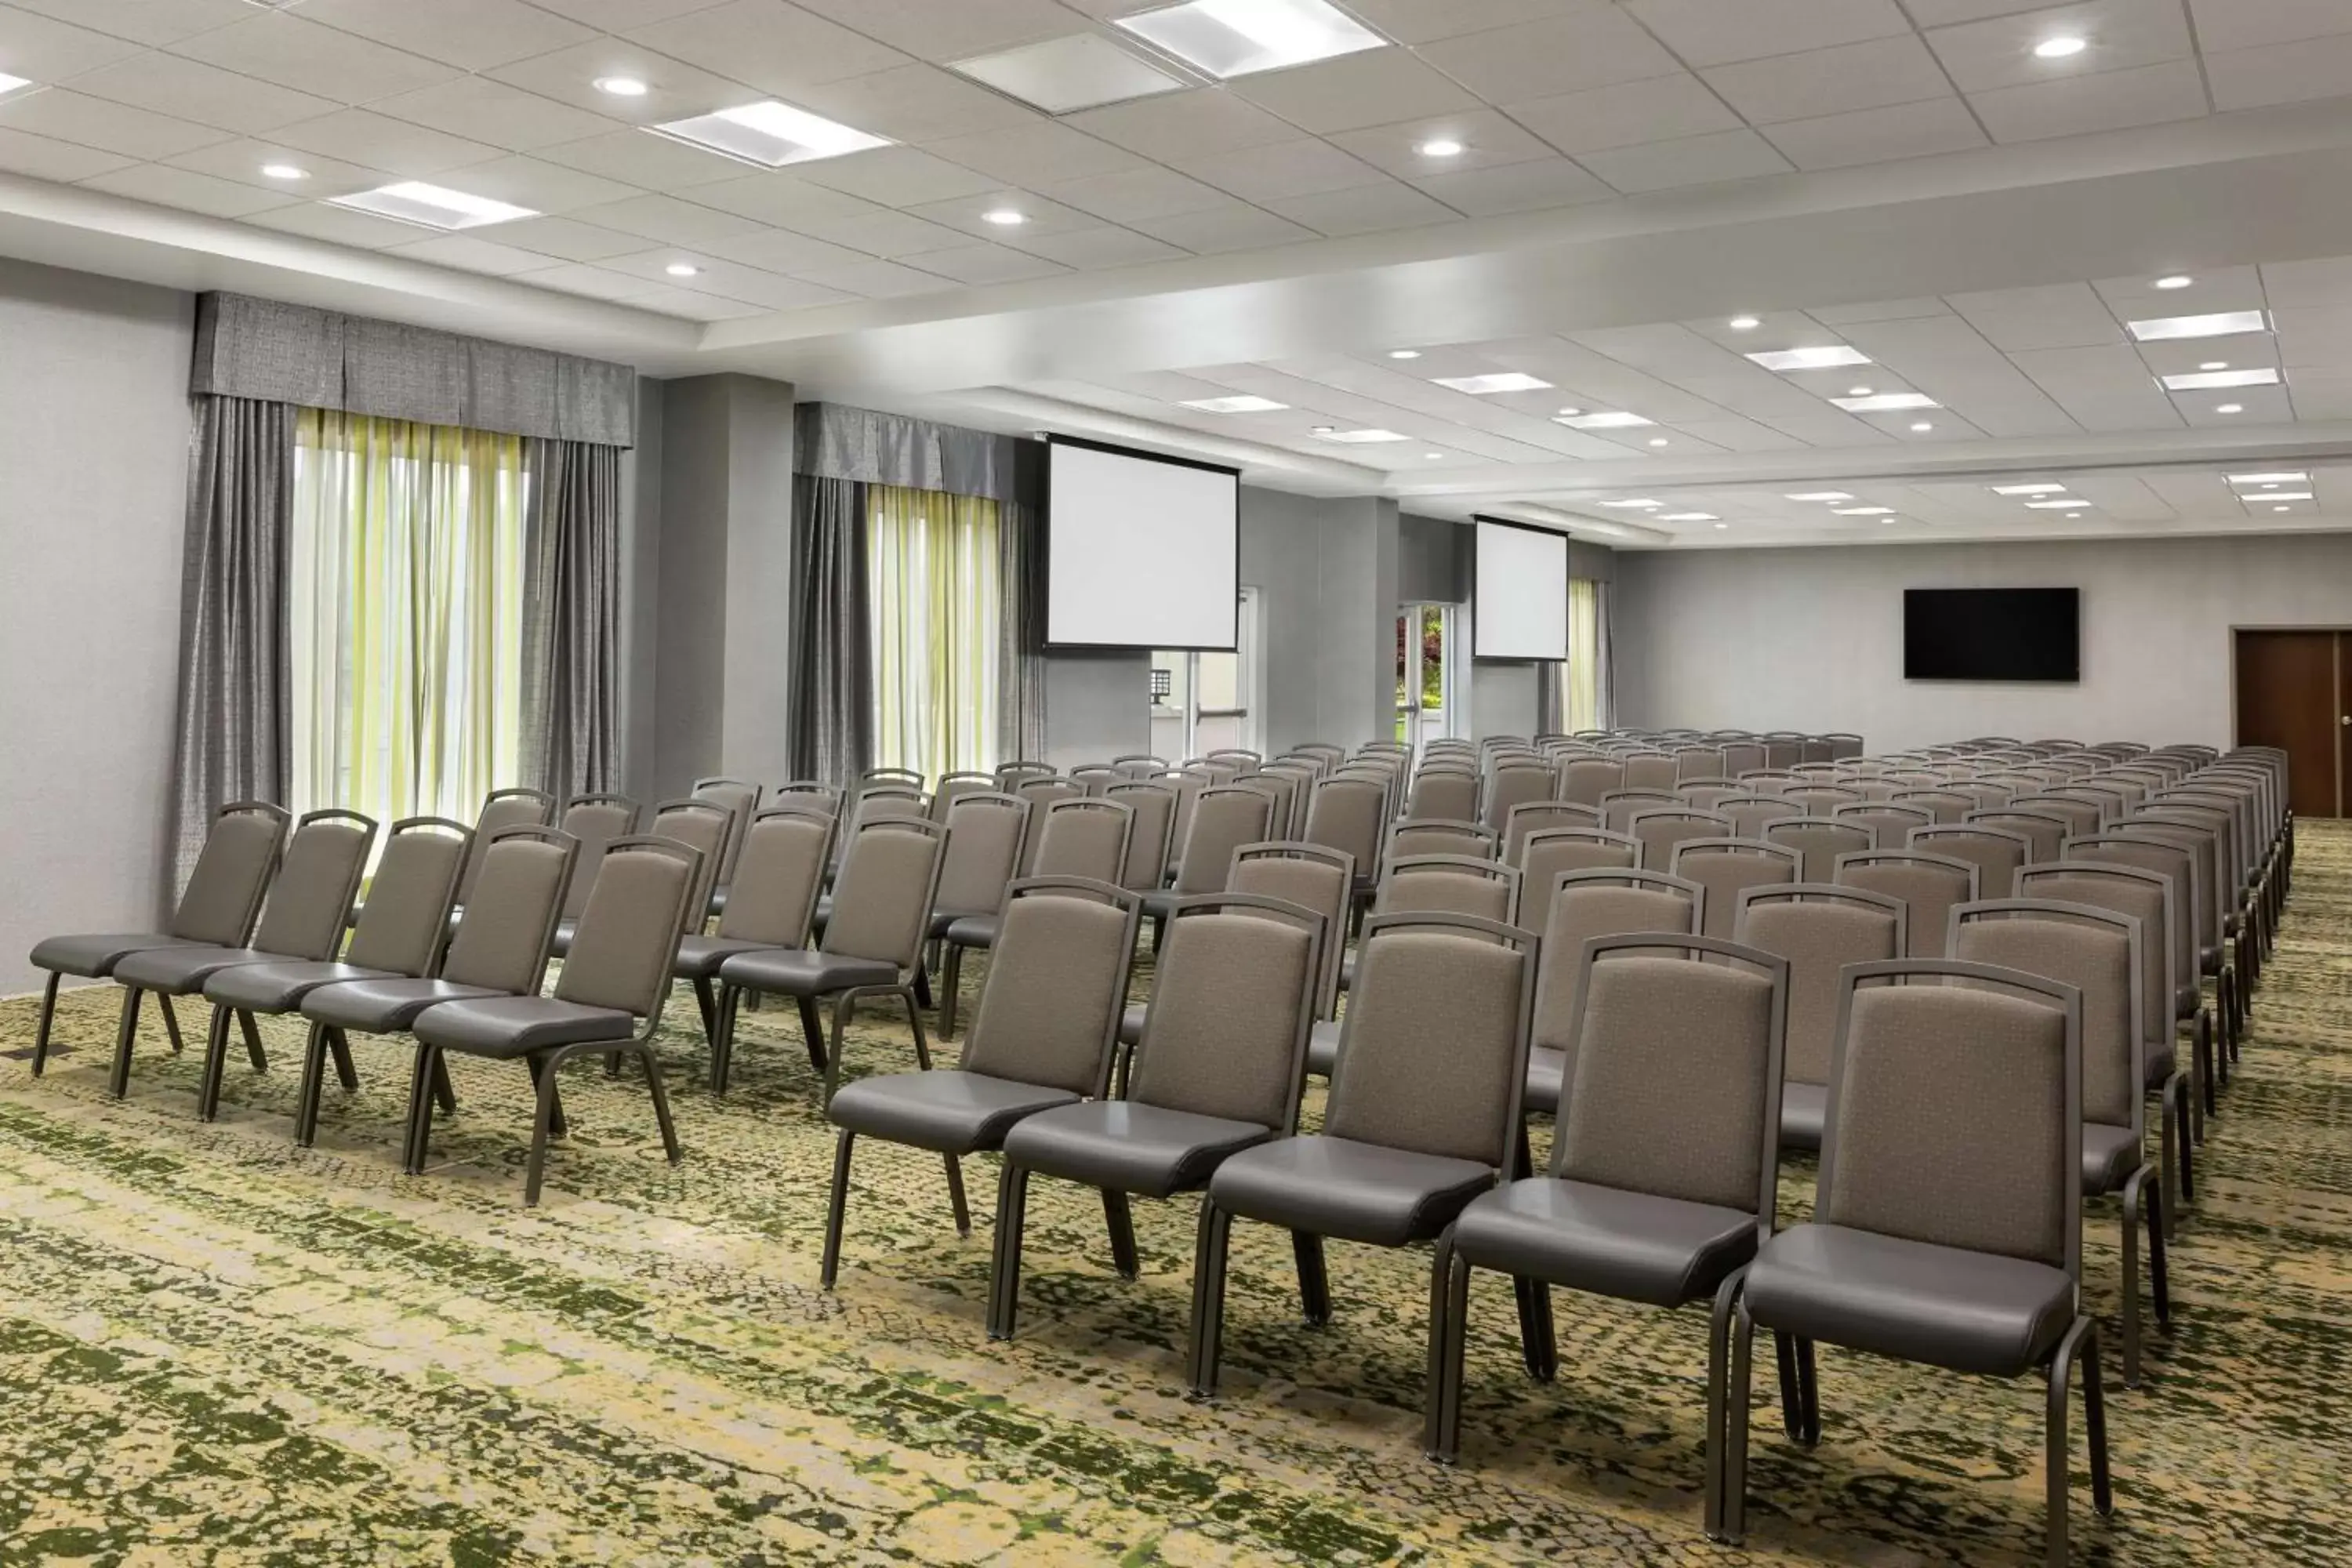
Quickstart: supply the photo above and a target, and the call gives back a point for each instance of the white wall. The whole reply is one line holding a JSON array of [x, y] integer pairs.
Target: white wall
[[1812, 639], [93, 491]]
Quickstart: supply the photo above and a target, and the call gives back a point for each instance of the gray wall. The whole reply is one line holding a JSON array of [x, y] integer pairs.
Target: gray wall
[[1097, 707], [641, 495], [1812, 639], [93, 491], [1327, 574]]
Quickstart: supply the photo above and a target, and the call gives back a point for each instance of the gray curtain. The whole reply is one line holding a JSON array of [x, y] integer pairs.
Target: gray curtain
[[1601, 594], [572, 627], [832, 674], [1549, 689], [834, 441], [1020, 661], [234, 739]]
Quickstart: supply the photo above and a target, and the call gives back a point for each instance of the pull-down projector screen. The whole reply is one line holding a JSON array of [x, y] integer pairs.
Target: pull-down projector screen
[[1141, 550], [1520, 610]]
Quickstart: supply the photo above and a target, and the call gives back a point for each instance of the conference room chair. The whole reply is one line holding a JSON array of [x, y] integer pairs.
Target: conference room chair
[[1349, 814], [886, 801], [1139, 765], [1772, 782], [1888, 823], [1816, 751], [1910, 778], [1332, 755], [308, 909], [1551, 850], [1584, 781], [2100, 953], [1225, 817], [1218, 1070], [2122, 795], [1664, 1169], [502, 809], [1658, 832], [1043, 1036], [779, 875], [1087, 837], [1009, 775], [1928, 885], [1699, 763], [1942, 804], [1822, 799], [1298, 778], [1043, 792], [1429, 836], [1820, 842], [982, 858], [1152, 807], [1727, 868], [706, 825], [1702, 794], [1946, 1243], [2272, 836], [1980, 792], [895, 777], [954, 786], [1187, 783], [1654, 770], [1577, 907], [2224, 961], [1427, 884], [519, 884], [1517, 782], [1750, 814], [1283, 787], [1997, 855], [1620, 807], [2042, 832], [1782, 749], [1416, 1124], [1535, 815], [741, 796], [1289, 872], [1819, 928], [2237, 805], [1821, 770], [2210, 904], [1744, 756], [1095, 777], [1444, 792], [1239, 758], [216, 908], [595, 820], [2079, 815], [810, 795]]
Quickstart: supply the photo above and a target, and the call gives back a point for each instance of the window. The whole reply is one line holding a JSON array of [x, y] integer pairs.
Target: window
[[1584, 685], [404, 615], [1203, 702], [936, 605], [1424, 672]]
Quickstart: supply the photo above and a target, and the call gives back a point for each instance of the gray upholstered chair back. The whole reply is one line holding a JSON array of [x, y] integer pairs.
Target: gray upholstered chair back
[[1349, 813], [1726, 867], [1153, 818], [1672, 1083], [810, 794], [402, 928], [954, 787], [1313, 877], [1139, 765], [2204, 852], [222, 898], [1750, 815], [741, 796], [1294, 785], [2099, 952], [1819, 842], [519, 887], [1516, 782], [2079, 815], [1010, 775], [1955, 1110], [1443, 793], [625, 946], [1818, 799], [778, 876], [1057, 982], [1043, 794], [1086, 838], [1699, 763], [502, 809], [1583, 905], [1448, 884], [1584, 780], [1740, 756], [982, 854], [2126, 892], [1620, 807], [1773, 782], [2229, 864], [1928, 885], [595, 820], [1658, 832], [1995, 852], [1783, 749], [1535, 815], [1224, 818], [1557, 849], [705, 826], [2042, 832], [1820, 929], [875, 802], [1890, 825], [1651, 770], [1236, 989], [2177, 866], [1434, 835], [1703, 795], [1981, 794], [1095, 777], [310, 901], [882, 899]]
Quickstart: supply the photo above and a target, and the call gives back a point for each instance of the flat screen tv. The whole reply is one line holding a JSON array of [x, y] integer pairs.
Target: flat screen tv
[[1992, 634]]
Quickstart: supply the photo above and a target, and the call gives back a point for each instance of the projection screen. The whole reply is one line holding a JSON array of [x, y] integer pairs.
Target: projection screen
[[1141, 550], [1520, 608]]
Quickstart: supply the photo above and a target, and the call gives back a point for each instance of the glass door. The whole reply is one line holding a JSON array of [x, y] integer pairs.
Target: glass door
[[1424, 673], [1203, 702]]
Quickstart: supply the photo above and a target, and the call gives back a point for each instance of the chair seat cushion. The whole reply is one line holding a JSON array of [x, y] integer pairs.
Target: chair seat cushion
[[802, 972], [1632, 1245], [699, 957], [277, 987], [972, 931], [1969, 1312], [93, 955], [1131, 1148], [1323, 1046], [379, 1006], [952, 1111], [2110, 1154], [517, 1025], [1356, 1191], [1804, 1109], [177, 971], [1130, 1025], [1547, 1069]]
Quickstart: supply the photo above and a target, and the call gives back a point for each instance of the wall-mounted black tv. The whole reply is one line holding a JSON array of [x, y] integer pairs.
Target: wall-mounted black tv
[[1992, 634]]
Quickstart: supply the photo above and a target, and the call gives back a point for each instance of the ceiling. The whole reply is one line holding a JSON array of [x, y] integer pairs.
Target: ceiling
[[1906, 178]]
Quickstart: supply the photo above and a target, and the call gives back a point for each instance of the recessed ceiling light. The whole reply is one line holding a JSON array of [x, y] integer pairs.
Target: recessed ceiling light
[[1441, 147], [2286, 495], [2294, 478], [1860, 391], [769, 135], [1658, 440], [2229, 409], [1235, 37], [2282, 509], [1607, 420], [1723, 525], [2213, 380], [1825, 358], [1321, 429], [2221, 325], [2174, 281], [1634, 500], [1238, 404], [283, 172], [2214, 364], [1005, 217], [1745, 324], [621, 85], [1501, 381], [1432, 456], [2037, 488], [1887, 403], [1862, 511], [2059, 48], [1570, 413], [1921, 426], [683, 269], [1820, 495], [2074, 516], [1363, 438], [1687, 517], [434, 206], [1061, 76], [1404, 354], [1886, 521], [2053, 505]]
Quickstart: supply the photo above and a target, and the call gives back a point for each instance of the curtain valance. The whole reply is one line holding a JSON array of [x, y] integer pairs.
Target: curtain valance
[[275, 353], [835, 442]]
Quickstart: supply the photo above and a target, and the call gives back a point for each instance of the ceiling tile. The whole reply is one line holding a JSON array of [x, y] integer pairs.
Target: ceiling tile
[[668, 219], [889, 280], [950, 29], [1544, 59], [1146, 191], [2101, 389], [2121, 33], [593, 281], [467, 254], [2312, 339], [473, 34], [1530, 186], [619, 16], [2226, 24], [154, 22], [1374, 87], [1283, 169], [1426, 21], [543, 187], [1184, 124], [894, 176], [486, 110], [1364, 210], [2281, 73], [785, 200], [1033, 155], [1235, 228], [2211, 291], [727, 279], [640, 158], [983, 264], [362, 136], [1943, 13], [2060, 316], [689, 304], [569, 238], [1692, 161], [190, 89], [780, 250], [281, 47], [1715, 32], [2111, 100], [1487, 138], [1660, 109], [189, 190], [774, 46], [241, 161], [109, 127], [2325, 284], [2255, 405], [339, 226], [1091, 249], [45, 49], [675, 90], [1879, 135], [885, 233], [1043, 216], [914, 103], [1875, 75]]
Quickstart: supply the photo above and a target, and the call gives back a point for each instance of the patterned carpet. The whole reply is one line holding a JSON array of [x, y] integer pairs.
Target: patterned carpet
[[216, 1348]]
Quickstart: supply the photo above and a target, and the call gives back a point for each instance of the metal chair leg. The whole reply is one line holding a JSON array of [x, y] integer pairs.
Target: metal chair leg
[[253, 1051], [1538, 1343], [171, 1023], [955, 1195], [811, 1034], [48, 1017], [654, 1085], [834, 1209], [1212, 1242], [215, 1064], [1313, 1281], [950, 990], [2131, 1279], [706, 1002], [1718, 1348], [2158, 1210], [118, 1081], [915, 1021], [535, 1166], [922, 986], [348, 1075], [2081, 1339], [1736, 1418], [1004, 1274], [314, 1072], [1119, 1217], [1432, 1407]]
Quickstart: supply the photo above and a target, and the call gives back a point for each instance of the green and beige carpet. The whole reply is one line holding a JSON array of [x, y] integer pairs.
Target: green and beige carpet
[[217, 1348]]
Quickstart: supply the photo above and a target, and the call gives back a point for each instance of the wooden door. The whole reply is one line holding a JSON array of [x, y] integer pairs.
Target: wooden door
[[2293, 689]]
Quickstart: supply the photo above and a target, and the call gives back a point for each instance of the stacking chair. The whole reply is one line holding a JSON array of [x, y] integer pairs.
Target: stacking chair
[[1584, 781], [1870, 789], [2079, 815], [1535, 816], [1943, 804], [1890, 825], [1666, 1057], [1043, 794], [1981, 794], [595, 820], [1292, 783], [608, 1002], [985, 835], [1220, 1071], [704, 826], [1619, 807], [1443, 793], [1517, 782], [1782, 749], [2209, 917], [1750, 815], [1348, 815], [954, 786], [1010, 775], [1085, 837], [1705, 795], [309, 907], [1652, 771], [1928, 885], [216, 908], [1820, 929], [1955, 1241], [1239, 757], [1743, 756], [1418, 1123], [1043, 1036], [1773, 782], [1553, 850], [1225, 817], [1095, 777], [500, 950], [1699, 763], [1821, 799], [1658, 832], [2042, 832], [1434, 836], [2102, 955], [741, 796], [1579, 906], [808, 795], [1307, 875], [871, 946], [1151, 809], [1819, 842], [502, 809], [2224, 958], [1187, 783], [1727, 868], [1995, 853], [1139, 765], [1426, 884], [779, 875]]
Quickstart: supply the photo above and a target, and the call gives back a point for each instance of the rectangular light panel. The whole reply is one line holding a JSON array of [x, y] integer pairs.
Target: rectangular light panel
[[9, 84], [2285, 479], [1864, 511], [434, 206], [1614, 419], [2035, 489], [1687, 517], [1235, 37], [1830, 358], [1363, 437], [1238, 404], [2205, 380], [1501, 381], [1060, 76], [2057, 505], [2278, 495], [2223, 325], [1634, 500], [769, 135], [1820, 495], [1887, 403]]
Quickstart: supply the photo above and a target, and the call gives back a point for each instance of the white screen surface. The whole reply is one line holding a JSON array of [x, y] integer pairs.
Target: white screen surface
[[1140, 553], [1522, 604]]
